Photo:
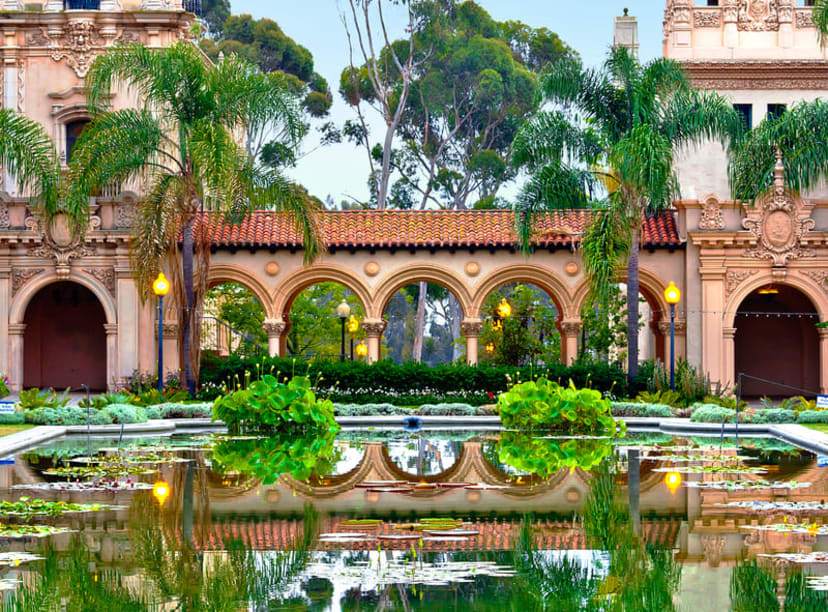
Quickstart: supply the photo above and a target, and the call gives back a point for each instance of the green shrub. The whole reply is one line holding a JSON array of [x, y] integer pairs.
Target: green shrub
[[107, 399], [369, 410], [774, 415], [545, 405], [633, 409], [19, 417], [4, 385], [154, 397], [668, 397], [657, 410], [125, 414], [452, 410], [184, 411], [268, 404], [66, 415], [812, 416], [33, 399], [411, 384], [153, 413], [710, 413]]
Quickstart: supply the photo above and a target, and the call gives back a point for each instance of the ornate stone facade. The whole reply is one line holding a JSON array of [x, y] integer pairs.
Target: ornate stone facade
[[759, 15], [711, 217]]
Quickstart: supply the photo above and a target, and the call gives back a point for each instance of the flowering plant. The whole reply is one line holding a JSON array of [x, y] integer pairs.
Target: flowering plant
[[4, 386]]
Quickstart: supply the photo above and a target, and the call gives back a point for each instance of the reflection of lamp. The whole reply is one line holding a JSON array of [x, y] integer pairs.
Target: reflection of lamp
[[769, 290], [343, 311], [504, 309], [672, 295], [362, 349], [161, 491], [161, 287], [673, 481]]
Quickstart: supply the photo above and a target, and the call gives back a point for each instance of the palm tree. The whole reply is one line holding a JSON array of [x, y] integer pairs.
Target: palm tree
[[819, 15], [27, 152], [630, 118], [185, 146]]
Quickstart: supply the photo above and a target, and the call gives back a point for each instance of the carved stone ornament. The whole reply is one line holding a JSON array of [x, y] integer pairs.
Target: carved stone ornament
[[713, 546], [57, 243], [21, 276], [572, 329], [735, 278], [124, 216], [471, 328], [707, 19], [274, 327], [711, 217], [779, 223], [680, 327], [106, 276], [759, 15], [5, 219], [37, 38], [820, 276], [76, 45], [804, 19], [374, 328]]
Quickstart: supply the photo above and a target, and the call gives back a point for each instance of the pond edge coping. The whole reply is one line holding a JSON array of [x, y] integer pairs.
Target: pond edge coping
[[798, 435]]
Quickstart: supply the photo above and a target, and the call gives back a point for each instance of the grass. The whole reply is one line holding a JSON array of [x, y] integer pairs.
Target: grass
[[820, 427], [6, 430]]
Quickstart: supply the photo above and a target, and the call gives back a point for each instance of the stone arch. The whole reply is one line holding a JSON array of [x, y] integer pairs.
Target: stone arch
[[809, 288], [290, 287], [540, 276], [17, 311], [17, 321], [429, 273], [229, 273], [650, 285]]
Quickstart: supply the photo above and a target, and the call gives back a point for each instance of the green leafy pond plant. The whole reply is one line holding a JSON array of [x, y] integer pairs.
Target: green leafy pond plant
[[544, 405], [27, 507], [285, 453], [545, 457], [270, 405]]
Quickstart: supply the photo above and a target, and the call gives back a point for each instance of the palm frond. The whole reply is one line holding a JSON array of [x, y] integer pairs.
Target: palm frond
[[695, 116], [643, 160], [604, 248], [549, 138], [819, 15]]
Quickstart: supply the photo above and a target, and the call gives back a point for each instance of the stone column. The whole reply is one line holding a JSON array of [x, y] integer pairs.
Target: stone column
[[5, 300], [681, 338], [730, 17], [729, 357], [16, 332], [471, 328], [113, 380], [171, 356], [374, 329], [786, 12], [712, 273], [823, 360], [570, 333], [274, 328]]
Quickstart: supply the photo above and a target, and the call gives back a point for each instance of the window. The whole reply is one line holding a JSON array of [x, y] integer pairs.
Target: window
[[73, 132], [82, 5], [746, 112], [776, 110]]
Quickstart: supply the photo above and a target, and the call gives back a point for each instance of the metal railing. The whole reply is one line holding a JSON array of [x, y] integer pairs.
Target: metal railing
[[81, 5], [194, 6], [223, 339]]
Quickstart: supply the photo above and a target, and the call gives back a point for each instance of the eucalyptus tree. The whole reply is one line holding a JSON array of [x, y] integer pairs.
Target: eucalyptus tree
[[608, 138], [183, 145]]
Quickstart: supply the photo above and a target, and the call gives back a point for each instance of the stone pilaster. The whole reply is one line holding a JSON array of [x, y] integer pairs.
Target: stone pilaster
[[823, 360], [471, 328], [374, 329], [112, 378], [570, 332], [274, 329], [16, 332]]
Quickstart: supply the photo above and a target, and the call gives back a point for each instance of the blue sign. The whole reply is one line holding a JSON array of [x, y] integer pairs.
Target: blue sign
[[822, 461], [7, 461], [822, 401], [6, 407]]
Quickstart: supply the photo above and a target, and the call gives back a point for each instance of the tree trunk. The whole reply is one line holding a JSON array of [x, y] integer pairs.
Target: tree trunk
[[632, 305], [419, 324], [456, 317], [189, 308]]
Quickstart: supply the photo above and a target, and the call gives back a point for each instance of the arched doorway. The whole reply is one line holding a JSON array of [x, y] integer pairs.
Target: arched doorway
[[64, 344], [777, 340]]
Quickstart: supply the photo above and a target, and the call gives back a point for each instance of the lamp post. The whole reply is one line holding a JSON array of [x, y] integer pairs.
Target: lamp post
[[161, 287], [343, 311], [353, 327], [672, 295]]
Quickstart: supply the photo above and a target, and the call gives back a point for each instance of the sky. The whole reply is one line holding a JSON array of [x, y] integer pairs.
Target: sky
[[342, 170]]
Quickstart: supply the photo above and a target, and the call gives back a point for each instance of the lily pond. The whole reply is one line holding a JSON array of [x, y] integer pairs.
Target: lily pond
[[393, 520]]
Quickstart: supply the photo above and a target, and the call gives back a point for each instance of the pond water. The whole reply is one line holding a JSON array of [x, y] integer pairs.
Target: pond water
[[407, 521]]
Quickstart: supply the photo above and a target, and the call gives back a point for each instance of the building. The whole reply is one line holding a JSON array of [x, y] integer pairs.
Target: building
[[70, 314]]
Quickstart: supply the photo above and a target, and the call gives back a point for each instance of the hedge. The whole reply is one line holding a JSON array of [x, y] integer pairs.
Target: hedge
[[412, 384], [638, 409], [812, 416]]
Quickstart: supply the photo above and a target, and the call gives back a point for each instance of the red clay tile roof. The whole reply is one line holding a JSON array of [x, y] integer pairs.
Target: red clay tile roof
[[424, 229], [278, 534]]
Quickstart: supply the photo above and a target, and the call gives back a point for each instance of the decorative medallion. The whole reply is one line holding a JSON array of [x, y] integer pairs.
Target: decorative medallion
[[106, 276], [21, 276], [759, 15], [711, 217], [735, 278], [272, 268], [779, 224], [5, 219], [372, 268], [57, 243], [472, 268], [707, 19], [572, 268]]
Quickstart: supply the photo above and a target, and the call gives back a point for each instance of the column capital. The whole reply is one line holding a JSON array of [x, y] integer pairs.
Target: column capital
[[681, 327], [17, 329], [471, 327], [274, 327], [729, 333], [111, 329], [572, 328], [171, 330], [823, 333], [374, 327]]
